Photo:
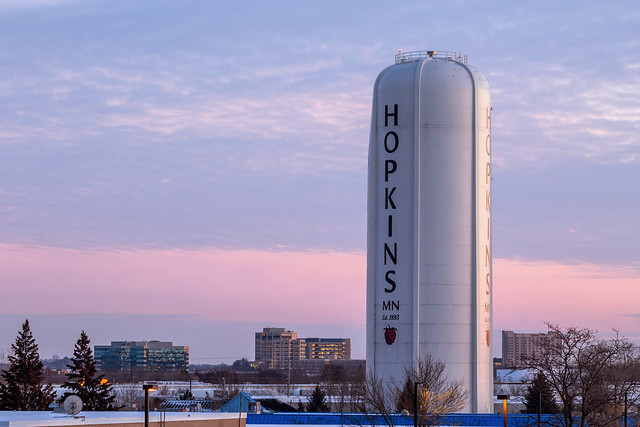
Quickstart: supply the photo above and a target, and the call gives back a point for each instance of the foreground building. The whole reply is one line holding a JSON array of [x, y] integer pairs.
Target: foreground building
[[121, 419], [149, 356], [242, 419], [429, 276]]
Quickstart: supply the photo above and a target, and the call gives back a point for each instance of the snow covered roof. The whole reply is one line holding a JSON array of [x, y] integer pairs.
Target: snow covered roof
[[99, 418]]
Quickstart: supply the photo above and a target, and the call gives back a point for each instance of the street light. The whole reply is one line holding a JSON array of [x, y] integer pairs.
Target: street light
[[504, 398], [415, 402], [147, 388], [625, 409]]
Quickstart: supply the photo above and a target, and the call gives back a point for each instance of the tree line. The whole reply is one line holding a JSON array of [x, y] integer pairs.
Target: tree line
[[582, 380], [23, 387], [577, 377]]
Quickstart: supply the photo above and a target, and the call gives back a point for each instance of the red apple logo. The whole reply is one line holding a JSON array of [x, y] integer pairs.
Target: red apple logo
[[389, 334]]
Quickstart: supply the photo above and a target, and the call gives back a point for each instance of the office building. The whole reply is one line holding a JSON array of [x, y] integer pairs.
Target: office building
[[328, 348], [279, 348], [149, 356]]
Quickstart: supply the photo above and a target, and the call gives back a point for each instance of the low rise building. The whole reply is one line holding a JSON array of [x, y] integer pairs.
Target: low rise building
[[149, 356], [328, 348]]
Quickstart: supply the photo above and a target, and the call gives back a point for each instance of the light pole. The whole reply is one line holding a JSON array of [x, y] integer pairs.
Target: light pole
[[147, 388], [625, 409], [415, 402], [540, 407], [504, 398]]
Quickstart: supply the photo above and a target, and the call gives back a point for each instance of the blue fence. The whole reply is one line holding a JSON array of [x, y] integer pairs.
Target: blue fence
[[306, 418]]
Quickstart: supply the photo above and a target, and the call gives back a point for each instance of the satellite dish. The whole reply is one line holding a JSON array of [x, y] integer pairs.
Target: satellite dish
[[73, 404]]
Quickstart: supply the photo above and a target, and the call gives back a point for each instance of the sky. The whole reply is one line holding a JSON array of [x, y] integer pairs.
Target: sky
[[195, 171]]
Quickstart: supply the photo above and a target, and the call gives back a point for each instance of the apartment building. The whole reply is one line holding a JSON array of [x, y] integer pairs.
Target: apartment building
[[518, 345]]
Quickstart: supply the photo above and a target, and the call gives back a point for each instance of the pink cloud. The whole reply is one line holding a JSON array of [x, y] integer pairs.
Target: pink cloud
[[279, 287], [231, 285], [602, 297]]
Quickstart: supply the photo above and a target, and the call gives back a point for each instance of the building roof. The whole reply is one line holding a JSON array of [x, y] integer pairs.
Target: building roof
[[104, 418], [276, 405], [194, 405], [242, 402]]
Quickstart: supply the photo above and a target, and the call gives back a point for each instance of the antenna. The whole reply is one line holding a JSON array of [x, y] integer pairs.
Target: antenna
[[73, 404]]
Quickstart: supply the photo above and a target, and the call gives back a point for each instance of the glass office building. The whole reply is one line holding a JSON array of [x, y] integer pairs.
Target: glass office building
[[149, 356]]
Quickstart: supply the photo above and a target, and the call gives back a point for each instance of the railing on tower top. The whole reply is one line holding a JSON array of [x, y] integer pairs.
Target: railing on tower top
[[418, 55]]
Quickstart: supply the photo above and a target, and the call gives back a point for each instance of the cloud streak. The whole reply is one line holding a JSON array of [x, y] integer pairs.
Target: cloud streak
[[222, 285], [289, 288]]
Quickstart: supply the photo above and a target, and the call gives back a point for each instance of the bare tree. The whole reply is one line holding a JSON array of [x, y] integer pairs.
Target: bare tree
[[343, 386], [437, 395], [589, 375], [127, 396], [377, 401], [334, 379]]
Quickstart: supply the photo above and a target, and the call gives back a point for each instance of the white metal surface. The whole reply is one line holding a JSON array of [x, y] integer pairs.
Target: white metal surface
[[429, 237], [72, 404]]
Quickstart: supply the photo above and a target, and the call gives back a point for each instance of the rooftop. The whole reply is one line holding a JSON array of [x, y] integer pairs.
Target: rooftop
[[45, 418]]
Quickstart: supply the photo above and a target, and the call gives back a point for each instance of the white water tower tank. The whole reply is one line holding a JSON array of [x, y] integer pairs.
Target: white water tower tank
[[429, 276]]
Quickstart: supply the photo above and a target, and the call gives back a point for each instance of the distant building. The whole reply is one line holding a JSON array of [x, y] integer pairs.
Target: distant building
[[328, 348], [279, 348], [149, 356], [518, 345]]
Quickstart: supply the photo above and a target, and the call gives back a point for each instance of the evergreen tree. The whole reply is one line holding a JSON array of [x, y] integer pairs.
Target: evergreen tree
[[317, 401], [94, 390], [539, 397], [23, 389]]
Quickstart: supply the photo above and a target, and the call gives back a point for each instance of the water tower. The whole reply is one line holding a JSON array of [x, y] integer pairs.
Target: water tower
[[429, 276]]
